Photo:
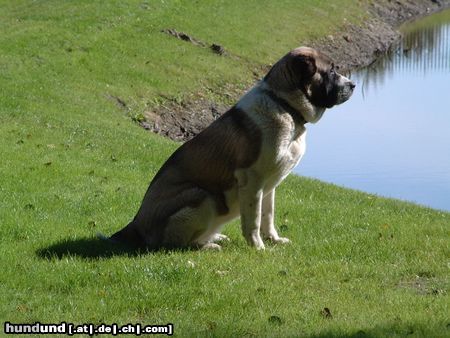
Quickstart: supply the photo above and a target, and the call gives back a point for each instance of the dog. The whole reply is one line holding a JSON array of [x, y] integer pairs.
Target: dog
[[232, 167]]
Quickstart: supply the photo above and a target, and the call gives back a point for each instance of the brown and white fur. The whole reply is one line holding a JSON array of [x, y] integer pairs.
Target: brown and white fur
[[232, 168]]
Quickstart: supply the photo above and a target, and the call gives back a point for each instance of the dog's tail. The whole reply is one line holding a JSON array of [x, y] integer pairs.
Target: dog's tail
[[127, 235]]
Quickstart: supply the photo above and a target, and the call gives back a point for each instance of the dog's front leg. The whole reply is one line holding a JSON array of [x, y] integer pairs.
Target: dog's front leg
[[267, 225], [250, 203]]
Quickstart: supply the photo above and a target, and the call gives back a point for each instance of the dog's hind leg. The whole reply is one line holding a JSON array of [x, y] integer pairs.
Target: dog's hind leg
[[189, 226]]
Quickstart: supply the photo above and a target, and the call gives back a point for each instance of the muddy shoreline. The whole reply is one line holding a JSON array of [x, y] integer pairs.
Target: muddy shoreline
[[353, 47]]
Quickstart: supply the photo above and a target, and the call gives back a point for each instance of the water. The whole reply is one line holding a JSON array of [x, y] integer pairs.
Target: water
[[392, 137]]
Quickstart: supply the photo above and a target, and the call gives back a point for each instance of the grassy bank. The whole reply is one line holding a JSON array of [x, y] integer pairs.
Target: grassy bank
[[73, 163]]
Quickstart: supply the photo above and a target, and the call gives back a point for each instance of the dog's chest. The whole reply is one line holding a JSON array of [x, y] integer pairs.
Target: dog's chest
[[288, 153]]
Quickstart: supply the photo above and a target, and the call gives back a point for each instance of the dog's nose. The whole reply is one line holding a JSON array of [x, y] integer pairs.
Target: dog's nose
[[352, 85]]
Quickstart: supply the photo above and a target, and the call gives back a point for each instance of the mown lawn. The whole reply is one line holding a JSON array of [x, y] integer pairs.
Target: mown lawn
[[73, 163]]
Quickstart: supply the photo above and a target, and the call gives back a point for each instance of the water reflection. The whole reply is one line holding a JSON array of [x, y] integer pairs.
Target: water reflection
[[425, 47], [392, 137]]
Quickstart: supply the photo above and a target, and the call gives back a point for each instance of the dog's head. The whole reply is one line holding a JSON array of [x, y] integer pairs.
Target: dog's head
[[310, 82]]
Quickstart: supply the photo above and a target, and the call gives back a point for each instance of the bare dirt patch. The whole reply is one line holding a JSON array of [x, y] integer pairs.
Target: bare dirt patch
[[424, 283], [214, 47], [181, 122]]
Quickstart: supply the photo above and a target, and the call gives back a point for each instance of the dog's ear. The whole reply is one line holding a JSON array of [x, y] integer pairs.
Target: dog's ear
[[303, 67]]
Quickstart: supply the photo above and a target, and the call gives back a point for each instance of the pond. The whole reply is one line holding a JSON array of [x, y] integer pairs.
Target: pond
[[392, 138]]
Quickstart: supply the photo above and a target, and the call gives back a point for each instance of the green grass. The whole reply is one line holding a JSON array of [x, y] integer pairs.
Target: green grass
[[81, 51], [73, 163]]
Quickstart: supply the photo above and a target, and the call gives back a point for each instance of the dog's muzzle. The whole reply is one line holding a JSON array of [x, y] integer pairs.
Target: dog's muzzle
[[345, 90]]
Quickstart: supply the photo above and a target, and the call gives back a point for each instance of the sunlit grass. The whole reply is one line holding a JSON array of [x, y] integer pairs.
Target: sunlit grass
[[72, 163]]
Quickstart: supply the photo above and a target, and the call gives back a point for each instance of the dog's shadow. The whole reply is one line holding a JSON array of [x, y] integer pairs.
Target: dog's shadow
[[94, 248], [89, 248]]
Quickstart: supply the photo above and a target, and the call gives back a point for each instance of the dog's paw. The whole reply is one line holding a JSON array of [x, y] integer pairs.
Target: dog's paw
[[281, 240], [211, 246], [217, 238], [254, 240], [260, 247], [278, 240]]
